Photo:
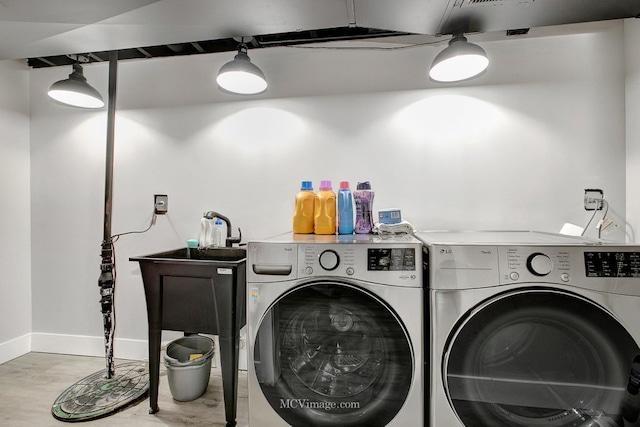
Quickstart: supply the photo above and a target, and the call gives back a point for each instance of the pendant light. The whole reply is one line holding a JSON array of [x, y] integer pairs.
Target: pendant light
[[459, 61], [241, 76], [75, 90]]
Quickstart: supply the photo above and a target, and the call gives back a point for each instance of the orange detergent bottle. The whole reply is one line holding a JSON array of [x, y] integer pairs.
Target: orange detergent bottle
[[303, 213], [325, 210]]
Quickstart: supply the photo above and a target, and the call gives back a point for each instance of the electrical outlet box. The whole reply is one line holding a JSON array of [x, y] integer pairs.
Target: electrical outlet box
[[160, 204], [593, 199]]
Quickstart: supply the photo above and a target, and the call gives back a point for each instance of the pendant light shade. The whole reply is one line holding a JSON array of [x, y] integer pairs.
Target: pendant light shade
[[241, 76], [460, 60], [75, 91]]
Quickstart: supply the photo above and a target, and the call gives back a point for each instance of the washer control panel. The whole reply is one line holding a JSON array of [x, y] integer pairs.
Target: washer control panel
[[393, 260], [348, 258], [393, 263]]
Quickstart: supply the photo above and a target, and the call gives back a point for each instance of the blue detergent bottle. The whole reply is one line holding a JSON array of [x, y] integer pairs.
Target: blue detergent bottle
[[345, 209]]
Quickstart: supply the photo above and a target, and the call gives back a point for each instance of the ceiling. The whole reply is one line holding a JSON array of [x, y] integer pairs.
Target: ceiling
[[46, 31]]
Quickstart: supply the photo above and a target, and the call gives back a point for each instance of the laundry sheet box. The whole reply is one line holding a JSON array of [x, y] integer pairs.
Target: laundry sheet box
[[389, 216]]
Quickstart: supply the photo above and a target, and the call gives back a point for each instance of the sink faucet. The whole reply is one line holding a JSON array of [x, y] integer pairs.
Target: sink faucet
[[229, 240]]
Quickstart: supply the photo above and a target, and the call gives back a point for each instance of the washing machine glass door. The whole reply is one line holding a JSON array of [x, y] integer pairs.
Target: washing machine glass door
[[333, 354], [538, 357]]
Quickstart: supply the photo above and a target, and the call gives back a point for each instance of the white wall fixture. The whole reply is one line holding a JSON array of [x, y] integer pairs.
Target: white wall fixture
[[459, 61], [241, 76], [75, 90]]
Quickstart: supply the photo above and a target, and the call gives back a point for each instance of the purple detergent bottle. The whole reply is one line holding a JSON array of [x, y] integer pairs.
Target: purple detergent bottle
[[363, 198]]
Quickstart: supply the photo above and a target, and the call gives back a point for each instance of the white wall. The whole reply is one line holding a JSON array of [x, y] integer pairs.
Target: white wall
[[15, 211], [632, 110], [514, 149]]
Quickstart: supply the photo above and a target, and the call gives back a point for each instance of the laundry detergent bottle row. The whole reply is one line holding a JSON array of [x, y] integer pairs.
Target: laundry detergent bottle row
[[363, 197], [325, 210], [304, 209]]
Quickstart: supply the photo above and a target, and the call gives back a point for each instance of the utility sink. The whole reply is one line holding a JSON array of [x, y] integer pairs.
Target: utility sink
[[209, 254], [197, 291]]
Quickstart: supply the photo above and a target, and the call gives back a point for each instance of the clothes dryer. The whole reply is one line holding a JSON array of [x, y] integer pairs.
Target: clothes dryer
[[335, 331], [531, 329]]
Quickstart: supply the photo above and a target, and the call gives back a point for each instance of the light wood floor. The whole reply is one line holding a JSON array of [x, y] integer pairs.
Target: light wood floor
[[31, 383]]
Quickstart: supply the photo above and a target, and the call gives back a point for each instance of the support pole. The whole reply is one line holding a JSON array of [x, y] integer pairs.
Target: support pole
[[94, 396], [106, 280]]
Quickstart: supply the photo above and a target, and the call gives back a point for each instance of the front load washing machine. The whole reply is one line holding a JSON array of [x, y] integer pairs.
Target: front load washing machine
[[531, 329], [335, 331]]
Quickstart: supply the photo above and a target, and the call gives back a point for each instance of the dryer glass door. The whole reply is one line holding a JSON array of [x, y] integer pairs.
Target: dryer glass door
[[333, 354], [538, 357]]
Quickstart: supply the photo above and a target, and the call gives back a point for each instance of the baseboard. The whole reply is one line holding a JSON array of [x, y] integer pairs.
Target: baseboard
[[82, 345], [15, 348]]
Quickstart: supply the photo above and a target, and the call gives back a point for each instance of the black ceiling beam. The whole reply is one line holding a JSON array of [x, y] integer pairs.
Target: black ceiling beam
[[222, 45]]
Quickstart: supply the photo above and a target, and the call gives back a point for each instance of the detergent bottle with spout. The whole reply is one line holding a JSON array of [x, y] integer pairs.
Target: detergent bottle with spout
[[303, 213], [345, 209], [324, 218]]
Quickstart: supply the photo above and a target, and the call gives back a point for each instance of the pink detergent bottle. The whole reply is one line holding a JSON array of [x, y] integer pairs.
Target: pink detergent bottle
[[325, 210]]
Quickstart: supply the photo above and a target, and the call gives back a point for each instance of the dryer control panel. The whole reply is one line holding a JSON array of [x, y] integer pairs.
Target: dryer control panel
[[538, 262], [612, 264], [601, 268], [480, 266]]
